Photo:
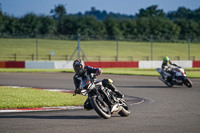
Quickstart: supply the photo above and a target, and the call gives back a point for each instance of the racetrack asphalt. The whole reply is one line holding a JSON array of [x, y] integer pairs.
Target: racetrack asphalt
[[165, 110]]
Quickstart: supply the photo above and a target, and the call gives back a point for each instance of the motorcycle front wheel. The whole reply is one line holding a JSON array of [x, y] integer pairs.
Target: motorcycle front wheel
[[100, 107], [125, 109], [187, 83]]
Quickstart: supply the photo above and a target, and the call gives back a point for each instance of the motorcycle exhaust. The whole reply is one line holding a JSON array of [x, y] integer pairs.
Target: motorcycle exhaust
[[116, 108]]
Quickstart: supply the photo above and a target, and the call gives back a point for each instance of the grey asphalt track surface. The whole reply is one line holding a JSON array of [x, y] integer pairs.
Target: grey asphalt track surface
[[165, 110]]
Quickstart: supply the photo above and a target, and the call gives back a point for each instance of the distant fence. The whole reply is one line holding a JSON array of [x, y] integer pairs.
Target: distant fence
[[127, 48]]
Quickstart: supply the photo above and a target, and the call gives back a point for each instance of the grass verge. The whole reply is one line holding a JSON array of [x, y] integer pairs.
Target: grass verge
[[11, 97], [191, 72], [22, 70]]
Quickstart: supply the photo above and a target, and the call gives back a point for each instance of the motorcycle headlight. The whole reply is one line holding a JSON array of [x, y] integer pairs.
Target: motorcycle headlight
[[182, 71]]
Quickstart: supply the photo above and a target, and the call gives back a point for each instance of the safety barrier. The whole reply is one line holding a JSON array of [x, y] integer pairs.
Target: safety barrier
[[133, 64], [12, 64], [68, 64], [196, 64], [49, 65], [157, 64]]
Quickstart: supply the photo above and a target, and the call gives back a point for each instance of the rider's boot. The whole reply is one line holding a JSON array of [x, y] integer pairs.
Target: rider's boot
[[114, 89], [87, 105], [169, 79]]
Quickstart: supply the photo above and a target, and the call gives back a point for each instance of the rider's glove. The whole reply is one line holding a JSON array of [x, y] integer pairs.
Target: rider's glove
[[99, 72]]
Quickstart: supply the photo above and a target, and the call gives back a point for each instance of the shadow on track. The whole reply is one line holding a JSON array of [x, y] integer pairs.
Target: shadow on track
[[143, 86], [52, 117], [155, 87]]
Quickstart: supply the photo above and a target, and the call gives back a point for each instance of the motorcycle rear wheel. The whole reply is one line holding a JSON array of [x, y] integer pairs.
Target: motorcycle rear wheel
[[188, 83], [100, 107]]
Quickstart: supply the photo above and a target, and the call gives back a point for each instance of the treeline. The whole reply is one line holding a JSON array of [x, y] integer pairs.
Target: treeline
[[151, 21]]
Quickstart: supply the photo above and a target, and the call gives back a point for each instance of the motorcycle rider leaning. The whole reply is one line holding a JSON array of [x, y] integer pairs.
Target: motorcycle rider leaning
[[82, 72], [166, 63]]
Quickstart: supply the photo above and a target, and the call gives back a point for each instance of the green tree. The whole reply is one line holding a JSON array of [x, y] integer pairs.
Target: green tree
[[128, 27], [47, 25], [188, 28], [98, 14], [59, 13], [143, 26], [90, 26], [86, 26], [182, 12], [70, 24], [112, 27], [1, 20], [196, 14], [157, 26], [151, 11], [163, 27], [11, 25], [29, 24]]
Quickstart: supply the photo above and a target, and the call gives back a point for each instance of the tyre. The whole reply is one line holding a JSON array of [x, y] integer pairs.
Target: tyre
[[188, 83], [100, 107], [125, 109]]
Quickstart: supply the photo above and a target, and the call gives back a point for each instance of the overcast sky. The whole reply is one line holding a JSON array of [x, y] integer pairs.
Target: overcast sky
[[129, 7]]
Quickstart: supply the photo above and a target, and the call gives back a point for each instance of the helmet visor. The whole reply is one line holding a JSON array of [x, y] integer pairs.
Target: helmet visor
[[77, 68], [165, 61]]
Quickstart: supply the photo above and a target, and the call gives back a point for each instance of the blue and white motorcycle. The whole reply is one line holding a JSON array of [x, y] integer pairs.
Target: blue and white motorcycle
[[174, 75]]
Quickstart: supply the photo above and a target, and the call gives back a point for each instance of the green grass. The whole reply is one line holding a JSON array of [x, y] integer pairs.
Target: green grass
[[22, 70], [92, 49], [29, 98]]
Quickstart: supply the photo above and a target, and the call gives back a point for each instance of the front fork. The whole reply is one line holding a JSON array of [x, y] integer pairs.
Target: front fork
[[98, 95]]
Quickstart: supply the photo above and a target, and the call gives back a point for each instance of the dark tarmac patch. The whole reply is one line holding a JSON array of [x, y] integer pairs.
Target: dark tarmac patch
[[134, 100]]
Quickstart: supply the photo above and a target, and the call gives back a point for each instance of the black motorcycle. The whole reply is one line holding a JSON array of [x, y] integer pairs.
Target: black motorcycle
[[177, 76], [103, 100]]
